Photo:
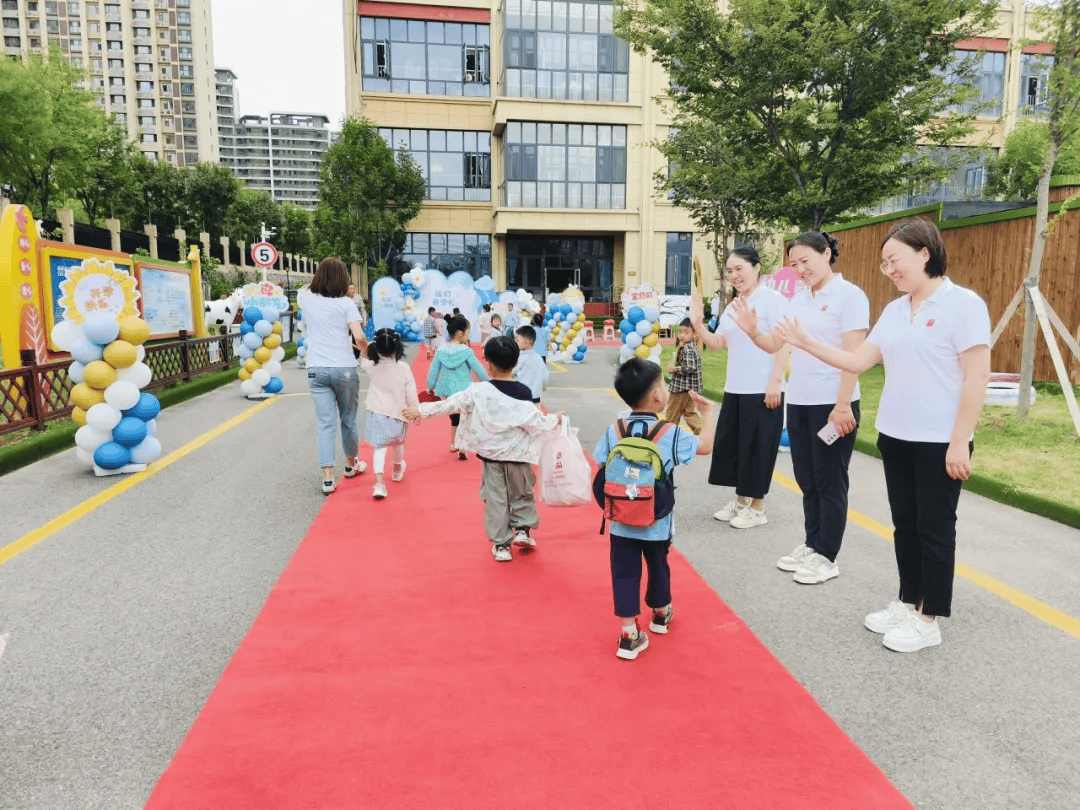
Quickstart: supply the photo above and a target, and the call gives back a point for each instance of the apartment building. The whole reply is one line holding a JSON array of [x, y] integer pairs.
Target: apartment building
[[531, 122], [228, 102], [150, 62], [280, 154]]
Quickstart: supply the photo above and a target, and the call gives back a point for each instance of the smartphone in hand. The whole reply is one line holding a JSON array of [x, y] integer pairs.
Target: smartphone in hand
[[829, 433]]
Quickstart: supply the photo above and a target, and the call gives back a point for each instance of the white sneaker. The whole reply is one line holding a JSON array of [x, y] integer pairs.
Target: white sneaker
[[728, 511], [796, 558], [816, 569], [399, 472], [379, 492], [748, 518], [523, 540], [501, 553], [913, 634], [356, 467], [328, 486], [882, 621]]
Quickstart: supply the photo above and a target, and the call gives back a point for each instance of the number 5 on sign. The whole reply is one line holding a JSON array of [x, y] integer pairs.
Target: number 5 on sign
[[264, 254]]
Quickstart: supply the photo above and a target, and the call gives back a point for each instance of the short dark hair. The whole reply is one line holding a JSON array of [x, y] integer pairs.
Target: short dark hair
[[686, 322], [430, 310], [635, 379], [487, 307], [749, 253], [331, 278], [818, 241], [457, 311], [527, 332], [387, 343], [455, 325], [502, 352], [538, 319], [919, 233]]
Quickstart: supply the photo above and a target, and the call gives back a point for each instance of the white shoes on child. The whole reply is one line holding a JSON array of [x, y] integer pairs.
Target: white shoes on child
[[379, 491]]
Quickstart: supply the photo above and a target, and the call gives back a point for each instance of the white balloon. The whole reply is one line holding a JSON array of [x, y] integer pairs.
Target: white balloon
[[76, 371], [277, 354], [260, 377], [252, 340], [138, 373], [625, 353], [271, 315], [273, 367], [263, 328], [65, 333], [577, 341], [643, 328], [302, 351], [249, 387], [140, 354], [86, 351], [633, 340], [83, 456], [90, 438], [103, 417], [151, 427], [146, 451], [122, 395]]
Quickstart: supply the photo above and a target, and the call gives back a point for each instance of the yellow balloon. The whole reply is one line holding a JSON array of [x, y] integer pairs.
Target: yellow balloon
[[99, 374], [85, 397], [642, 351], [262, 354], [251, 364], [656, 327], [581, 317], [650, 340], [121, 354], [244, 373], [278, 328], [78, 416], [272, 341], [134, 330]]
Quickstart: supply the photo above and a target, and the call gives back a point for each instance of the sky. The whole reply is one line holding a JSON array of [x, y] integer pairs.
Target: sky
[[288, 55]]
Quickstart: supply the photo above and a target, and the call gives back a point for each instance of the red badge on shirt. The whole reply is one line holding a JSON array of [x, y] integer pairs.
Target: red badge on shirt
[[930, 322], [824, 307]]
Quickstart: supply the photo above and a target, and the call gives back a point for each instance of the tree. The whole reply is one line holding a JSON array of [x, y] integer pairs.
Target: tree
[[367, 197], [43, 130], [1061, 23], [107, 171], [155, 196], [823, 103], [294, 233], [1015, 174], [210, 190], [251, 210]]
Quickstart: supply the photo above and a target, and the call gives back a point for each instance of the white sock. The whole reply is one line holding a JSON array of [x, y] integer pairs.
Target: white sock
[[630, 630], [378, 461]]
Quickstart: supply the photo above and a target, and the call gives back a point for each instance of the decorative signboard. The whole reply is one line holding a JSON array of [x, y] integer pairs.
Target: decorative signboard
[[643, 296], [58, 260], [97, 287], [166, 298], [784, 281], [264, 296], [21, 318]]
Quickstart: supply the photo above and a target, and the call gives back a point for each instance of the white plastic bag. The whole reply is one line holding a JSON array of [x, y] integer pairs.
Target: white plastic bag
[[565, 475]]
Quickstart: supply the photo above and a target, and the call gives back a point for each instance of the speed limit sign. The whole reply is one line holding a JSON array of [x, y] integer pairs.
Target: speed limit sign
[[264, 254]]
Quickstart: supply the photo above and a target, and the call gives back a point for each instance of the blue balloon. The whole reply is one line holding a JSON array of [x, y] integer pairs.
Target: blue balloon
[[579, 355], [651, 313], [86, 351], [626, 327], [130, 431], [252, 341], [101, 328], [633, 340], [635, 315], [300, 342], [147, 408], [76, 372], [253, 315], [567, 309], [246, 327], [299, 315], [274, 386], [112, 456]]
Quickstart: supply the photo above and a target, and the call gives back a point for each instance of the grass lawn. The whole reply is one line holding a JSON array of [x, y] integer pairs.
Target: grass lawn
[[1039, 457]]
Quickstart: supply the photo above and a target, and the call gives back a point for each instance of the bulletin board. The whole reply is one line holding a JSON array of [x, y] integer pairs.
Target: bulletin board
[[166, 298]]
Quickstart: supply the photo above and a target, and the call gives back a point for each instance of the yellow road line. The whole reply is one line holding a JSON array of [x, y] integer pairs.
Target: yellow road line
[[31, 539], [1040, 610], [556, 366]]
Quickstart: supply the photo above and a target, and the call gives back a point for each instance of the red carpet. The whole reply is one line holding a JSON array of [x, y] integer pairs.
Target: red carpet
[[397, 665]]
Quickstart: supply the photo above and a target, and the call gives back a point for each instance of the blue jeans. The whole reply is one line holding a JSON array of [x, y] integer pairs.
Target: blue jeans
[[335, 392]]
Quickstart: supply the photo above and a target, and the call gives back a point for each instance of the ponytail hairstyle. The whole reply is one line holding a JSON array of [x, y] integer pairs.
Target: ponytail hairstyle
[[818, 241], [387, 344]]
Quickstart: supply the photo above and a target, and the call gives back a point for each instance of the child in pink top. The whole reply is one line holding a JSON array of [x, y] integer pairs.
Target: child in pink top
[[393, 388]]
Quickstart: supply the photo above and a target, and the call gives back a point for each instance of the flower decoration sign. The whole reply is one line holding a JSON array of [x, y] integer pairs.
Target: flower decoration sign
[[95, 287], [264, 296]]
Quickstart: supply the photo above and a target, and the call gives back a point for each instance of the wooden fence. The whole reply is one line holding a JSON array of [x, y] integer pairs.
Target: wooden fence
[[35, 394], [989, 254]]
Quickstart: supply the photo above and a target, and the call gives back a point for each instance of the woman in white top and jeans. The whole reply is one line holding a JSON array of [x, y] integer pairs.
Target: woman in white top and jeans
[[837, 313], [333, 326], [751, 415], [935, 344]]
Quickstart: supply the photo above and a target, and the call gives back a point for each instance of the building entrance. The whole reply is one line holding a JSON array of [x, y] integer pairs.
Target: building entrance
[[548, 264]]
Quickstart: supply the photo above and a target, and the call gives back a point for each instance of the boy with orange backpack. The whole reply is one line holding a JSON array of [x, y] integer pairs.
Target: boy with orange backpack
[[637, 457]]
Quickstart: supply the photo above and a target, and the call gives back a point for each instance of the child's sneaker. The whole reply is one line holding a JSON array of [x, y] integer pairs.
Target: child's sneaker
[[523, 540], [379, 492], [354, 467], [328, 486], [501, 553], [399, 471], [661, 620], [630, 647]]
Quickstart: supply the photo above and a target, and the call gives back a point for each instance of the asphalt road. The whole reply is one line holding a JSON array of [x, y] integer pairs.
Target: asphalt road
[[119, 624]]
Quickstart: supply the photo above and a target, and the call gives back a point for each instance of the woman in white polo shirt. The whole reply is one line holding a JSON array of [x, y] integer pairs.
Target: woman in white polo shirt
[[751, 418], [935, 345], [837, 313]]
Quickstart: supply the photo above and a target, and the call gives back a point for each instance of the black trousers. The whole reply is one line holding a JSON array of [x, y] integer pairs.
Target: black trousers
[[922, 498], [747, 441], [821, 471], [626, 555]]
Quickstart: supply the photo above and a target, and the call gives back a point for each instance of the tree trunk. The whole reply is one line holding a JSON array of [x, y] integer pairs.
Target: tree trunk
[[1042, 214]]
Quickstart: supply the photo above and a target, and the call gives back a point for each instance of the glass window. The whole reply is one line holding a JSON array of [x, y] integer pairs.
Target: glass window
[[565, 165], [988, 75], [433, 58], [456, 164], [448, 252], [1034, 78]]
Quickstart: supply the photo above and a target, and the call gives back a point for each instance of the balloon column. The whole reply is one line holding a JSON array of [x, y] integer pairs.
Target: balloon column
[[411, 325], [261, 353], [301, 343], [116, 420], [639, 334], [565, 323]]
